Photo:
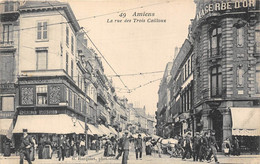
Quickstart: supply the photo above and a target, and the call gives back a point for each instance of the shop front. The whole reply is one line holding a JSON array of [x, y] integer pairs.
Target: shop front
[[245, 126]]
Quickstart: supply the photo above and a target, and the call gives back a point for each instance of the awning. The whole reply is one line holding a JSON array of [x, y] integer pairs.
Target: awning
[[59, 124], [112, 130], [93, 130], [6, 127], [105, 129], [245, 121]]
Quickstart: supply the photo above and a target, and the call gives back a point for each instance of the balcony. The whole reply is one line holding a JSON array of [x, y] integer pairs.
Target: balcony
[[9, 44], [9, 11]]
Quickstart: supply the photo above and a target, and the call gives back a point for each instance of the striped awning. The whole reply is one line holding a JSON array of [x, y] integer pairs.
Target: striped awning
[[245, 121]]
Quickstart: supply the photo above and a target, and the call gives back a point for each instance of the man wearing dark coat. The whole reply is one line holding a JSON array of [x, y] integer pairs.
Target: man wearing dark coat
[[25, 147], [213, 147], [187, 145], [126, 144], [196, 146], [120, 147], [61, 147], [138, 146]]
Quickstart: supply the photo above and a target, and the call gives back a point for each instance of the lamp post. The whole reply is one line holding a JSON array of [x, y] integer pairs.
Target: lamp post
[[74, 119]]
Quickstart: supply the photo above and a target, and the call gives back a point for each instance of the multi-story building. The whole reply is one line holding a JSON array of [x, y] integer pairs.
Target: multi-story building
[[163, 107], [226, 73], [220, 90], [9, 50], [181, 91]]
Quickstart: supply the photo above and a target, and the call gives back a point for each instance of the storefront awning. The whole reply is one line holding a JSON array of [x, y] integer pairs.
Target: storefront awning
[[59, 124], [112, 130], [6, 126], [245, 121], [104, 129], [93, 130]]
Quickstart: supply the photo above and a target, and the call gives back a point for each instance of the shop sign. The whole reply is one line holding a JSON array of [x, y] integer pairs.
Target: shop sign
[[223, 6], [7, 88], [48, 112], [27, 112], [41, 81], [6, 114]]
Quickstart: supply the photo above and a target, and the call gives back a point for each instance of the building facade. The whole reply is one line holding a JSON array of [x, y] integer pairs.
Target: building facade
[[222, 83]]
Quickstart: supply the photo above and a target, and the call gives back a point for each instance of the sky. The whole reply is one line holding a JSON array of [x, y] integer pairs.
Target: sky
[[137, 46]]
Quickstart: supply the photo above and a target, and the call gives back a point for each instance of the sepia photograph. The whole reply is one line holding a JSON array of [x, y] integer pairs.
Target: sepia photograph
[[129, 81]]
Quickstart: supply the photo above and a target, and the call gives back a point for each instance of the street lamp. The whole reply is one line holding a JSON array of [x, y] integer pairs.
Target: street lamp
[[74, 119]]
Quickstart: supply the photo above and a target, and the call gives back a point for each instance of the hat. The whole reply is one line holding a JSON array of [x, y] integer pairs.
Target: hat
[[213, 131], [197, 133], [126, 132], [25, 130]]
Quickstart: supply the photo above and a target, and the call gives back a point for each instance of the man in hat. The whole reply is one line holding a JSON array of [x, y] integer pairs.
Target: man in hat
[[213, 147], [187, 145], [126, 143], [26, 143], [196, 146], [138, 146], [120, 146]]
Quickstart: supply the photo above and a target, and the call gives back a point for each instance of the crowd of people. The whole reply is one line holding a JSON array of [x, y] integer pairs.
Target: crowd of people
[[201, 147]]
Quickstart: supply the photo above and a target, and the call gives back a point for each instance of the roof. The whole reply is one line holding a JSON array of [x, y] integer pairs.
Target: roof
[[31, 6]]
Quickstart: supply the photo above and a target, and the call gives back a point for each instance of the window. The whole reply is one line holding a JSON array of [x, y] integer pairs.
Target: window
[[72, 69], [189, 71], [41, 95], [7, 103], [72, 100], [257, 38], [72, 45], [41, 60], [9, 6], [7, 65], [215, 42], [240, 37], [240, 76], [67, 62], [42, 31], [67, 36], [186, 71], [7, 36], [257, 81], [216, 81]]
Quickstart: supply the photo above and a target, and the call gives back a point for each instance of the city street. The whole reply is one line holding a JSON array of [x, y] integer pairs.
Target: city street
[[154, 159]]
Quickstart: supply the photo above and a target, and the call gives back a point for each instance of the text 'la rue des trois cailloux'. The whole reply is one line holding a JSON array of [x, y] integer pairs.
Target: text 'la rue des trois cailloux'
[[137, 17]]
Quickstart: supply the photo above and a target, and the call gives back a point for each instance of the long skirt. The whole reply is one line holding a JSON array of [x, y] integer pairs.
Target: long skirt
[[82, 151], [46, 153], [32, 153]]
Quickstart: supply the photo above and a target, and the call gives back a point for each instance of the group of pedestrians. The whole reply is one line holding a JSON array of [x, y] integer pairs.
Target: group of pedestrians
[[62, 145], [201, 147]]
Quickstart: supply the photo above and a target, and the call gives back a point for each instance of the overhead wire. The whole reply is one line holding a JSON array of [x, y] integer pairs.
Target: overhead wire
[[90, 17]]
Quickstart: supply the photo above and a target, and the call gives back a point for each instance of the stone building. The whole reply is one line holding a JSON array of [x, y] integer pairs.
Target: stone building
[[226, 74], [9, 39]]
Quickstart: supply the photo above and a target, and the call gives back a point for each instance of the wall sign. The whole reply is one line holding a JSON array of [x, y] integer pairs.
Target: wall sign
[[224, 6]]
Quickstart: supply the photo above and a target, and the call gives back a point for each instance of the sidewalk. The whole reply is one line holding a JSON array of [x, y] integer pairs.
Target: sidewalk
[[91, 153]]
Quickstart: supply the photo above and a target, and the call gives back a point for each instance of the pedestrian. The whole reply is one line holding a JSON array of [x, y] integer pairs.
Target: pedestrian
[[203, 142], [213, 147], [126, 143], [148, 147], [187, 145], [105, 147], [236, 147], [40, 147], [61, 147], [82, 147], [46, 152], [67, 148], [226, 147], [196, 146], [120, 146], [32, 149], [26, 142], [159, 147], [138, 143]]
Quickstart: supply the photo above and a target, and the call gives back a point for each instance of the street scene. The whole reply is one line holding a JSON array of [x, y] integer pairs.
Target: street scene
[[129, 81]]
